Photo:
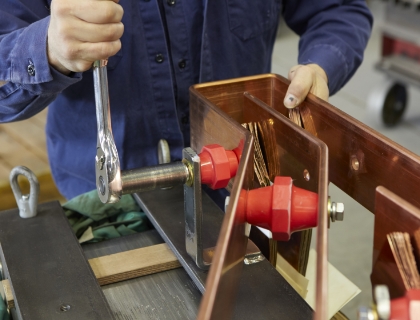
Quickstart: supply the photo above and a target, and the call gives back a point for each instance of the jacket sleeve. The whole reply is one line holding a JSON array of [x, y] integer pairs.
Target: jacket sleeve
[[30, 83], [333, 34]]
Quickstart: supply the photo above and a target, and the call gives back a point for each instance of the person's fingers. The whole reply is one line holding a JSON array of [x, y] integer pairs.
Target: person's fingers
[[99, 50], [100, 12], [305, 79], [90, 32], [301, 82], [81, 57], [320, 89], [320, 86], [81, 32]]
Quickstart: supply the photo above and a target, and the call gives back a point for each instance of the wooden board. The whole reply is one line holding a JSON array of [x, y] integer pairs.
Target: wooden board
[[123, 266], [29, 134], [133, 263], [23, 143], [13, 153], [8, 294]]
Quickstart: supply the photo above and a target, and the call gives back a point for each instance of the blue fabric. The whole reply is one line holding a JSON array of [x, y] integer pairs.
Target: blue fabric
[[217, 39]]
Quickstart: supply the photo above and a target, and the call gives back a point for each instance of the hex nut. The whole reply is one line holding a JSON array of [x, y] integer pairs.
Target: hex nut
[[339, 211], [221, 166], [281, 209]]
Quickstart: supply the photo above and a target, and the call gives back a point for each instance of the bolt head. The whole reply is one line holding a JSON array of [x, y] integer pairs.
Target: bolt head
[[339, 211], [383, 301]]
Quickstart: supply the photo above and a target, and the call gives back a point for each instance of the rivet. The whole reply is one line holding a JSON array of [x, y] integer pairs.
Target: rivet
[[355, 165], [306, 175]]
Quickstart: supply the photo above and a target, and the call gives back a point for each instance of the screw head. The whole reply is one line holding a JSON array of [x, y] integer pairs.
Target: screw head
[[64, 307]]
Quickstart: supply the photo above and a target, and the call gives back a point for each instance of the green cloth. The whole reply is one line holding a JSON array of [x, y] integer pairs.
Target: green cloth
[[106, 221], [4, 314]]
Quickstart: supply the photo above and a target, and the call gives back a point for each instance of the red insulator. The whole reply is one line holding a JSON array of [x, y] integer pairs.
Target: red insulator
[[281, 208], [218, 166], [407, 307]]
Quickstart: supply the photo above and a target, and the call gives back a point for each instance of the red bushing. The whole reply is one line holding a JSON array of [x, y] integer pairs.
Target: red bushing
[[282, 208], [407, 307], [217, 166]]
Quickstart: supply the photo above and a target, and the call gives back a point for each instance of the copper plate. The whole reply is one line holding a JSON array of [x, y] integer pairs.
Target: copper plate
[[246, 100]]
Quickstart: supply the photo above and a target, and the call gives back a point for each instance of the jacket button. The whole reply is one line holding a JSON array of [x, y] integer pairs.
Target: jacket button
[[182, 64], [159, 58], [31, 69], [171, 2]]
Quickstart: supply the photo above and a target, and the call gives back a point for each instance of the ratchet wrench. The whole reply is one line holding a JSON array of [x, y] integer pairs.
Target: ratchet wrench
[[108, 172]]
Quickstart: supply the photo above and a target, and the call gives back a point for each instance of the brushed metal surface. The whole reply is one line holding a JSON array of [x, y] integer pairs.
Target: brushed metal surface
[[46, 268], [152, 177]]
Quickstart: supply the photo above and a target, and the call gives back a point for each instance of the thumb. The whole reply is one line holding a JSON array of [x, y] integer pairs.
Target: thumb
[[301, 82], [305, 79]]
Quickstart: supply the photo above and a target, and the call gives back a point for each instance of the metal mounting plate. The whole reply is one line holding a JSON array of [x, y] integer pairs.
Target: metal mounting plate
[[47, 269]]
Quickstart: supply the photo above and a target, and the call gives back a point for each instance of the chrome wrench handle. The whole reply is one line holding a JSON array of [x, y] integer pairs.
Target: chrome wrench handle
[[107, 168]]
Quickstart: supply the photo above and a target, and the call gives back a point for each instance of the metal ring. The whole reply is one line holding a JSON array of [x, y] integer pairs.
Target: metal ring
[[27, 204], [164, 154]]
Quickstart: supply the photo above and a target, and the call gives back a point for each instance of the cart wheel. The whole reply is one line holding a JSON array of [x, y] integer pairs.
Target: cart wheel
[[394, 105], [387, 102]]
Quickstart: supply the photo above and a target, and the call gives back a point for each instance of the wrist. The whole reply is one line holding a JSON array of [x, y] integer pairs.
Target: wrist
[[55, 62], [319, 71]]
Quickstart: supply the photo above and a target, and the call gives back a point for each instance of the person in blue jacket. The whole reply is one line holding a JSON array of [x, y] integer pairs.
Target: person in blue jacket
[[157, 49]]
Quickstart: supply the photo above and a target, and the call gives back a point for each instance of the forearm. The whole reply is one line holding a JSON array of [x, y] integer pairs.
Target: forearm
[[333, 34]]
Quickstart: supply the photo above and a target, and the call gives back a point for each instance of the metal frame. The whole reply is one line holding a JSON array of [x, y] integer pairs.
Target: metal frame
[[193, 210], [241, 100], [360, 159]]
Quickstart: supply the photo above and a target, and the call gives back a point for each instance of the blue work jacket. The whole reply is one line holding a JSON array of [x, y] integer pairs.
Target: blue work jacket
[[167, 46]]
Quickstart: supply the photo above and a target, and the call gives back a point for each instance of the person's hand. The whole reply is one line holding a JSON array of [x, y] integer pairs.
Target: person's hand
[[83, 31], [304, 79]]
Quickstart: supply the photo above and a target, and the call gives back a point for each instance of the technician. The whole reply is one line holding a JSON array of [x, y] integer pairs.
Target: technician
[[157, 49]]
